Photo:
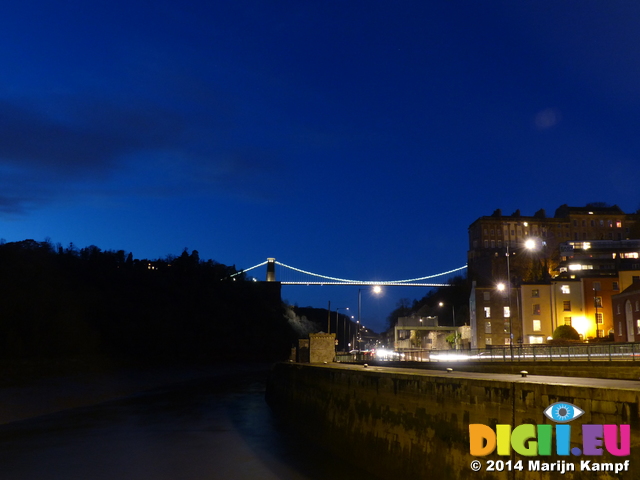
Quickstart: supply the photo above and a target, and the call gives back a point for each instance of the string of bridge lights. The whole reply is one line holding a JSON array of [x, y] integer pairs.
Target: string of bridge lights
[[342, 281]]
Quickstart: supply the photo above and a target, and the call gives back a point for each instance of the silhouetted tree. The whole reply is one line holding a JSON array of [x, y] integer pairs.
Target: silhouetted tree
[[70, 302]]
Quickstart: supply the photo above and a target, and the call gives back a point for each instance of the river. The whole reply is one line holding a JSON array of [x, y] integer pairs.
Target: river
[[207, 429]]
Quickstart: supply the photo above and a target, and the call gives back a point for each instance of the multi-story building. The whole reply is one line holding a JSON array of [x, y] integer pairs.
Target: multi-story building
[[600, 257], [561, 270], [626, 313], [567, 304], [537, 312], [494, 319]]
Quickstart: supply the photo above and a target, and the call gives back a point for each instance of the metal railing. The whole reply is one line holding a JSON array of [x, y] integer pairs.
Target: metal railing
[[603, 352]]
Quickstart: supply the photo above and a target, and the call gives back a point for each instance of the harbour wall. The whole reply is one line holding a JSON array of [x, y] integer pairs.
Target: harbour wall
[[583, 369], [414, 424]]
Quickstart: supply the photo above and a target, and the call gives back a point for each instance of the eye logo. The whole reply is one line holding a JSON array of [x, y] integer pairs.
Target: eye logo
[[563, 412]]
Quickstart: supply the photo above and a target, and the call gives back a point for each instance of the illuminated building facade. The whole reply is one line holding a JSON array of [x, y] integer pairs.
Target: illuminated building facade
[[560, 270], [626, 313]]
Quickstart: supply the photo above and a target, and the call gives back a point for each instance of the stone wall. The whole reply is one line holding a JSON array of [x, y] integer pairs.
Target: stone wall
[[611, 370], [322, 347], [415, 425]]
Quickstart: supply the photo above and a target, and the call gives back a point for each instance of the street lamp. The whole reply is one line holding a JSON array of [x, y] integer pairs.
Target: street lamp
[[453, 311], [501, 288], [338, 319], [376, 289]]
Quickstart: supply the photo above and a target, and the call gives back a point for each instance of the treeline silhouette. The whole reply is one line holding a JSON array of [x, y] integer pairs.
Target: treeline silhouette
[[59, 303]]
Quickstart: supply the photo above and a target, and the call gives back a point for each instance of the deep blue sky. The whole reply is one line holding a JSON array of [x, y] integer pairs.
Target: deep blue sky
[[355, 139]]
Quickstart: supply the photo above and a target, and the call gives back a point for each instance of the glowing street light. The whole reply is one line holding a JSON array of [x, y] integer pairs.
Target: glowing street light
[[453, 311], [377, 289]]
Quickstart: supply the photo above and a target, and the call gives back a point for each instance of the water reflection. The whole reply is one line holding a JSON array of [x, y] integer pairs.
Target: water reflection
[[215, 429]]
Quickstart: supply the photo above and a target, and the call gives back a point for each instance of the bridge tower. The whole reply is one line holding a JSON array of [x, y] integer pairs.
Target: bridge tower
[[271, 269]]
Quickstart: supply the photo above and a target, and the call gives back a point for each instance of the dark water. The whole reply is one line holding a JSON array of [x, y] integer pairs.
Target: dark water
[[219, 428]]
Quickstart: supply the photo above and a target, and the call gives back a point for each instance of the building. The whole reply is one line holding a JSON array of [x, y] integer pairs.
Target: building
[[492, 322], [626, 313], [537, 312], [563, 270], [421, 333]]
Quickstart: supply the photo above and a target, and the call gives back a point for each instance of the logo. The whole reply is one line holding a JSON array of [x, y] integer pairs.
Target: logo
[[530, 440], [563, 412]]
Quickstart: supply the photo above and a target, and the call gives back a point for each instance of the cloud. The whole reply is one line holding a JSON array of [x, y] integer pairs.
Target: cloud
[[90, 142], [73, 147], [547, 118]]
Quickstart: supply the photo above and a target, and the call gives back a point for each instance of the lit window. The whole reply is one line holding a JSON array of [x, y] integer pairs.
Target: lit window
[[535, 339], [599, 319], [598, 302], [618, 224], [567, 321], [638, 325], [507, 341], [507, 312], [565, 289], [537, 325], [600, 333], [487, 312], [487, 341]]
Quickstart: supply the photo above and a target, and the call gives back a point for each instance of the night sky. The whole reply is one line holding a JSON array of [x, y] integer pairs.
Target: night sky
[[356, 139]]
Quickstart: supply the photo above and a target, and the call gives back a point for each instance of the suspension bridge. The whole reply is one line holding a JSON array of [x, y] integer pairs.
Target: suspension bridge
[[296, 276]]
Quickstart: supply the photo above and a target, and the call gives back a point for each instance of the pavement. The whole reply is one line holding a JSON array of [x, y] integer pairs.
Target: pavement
[[503, 377]]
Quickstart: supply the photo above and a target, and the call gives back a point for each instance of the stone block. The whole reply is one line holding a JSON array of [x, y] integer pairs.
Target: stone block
[[322, 347]]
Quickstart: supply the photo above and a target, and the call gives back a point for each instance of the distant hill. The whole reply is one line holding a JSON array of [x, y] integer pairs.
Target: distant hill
[[68, 302]]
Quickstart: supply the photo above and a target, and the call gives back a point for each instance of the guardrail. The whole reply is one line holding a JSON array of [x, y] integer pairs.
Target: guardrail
[[544, 353], [604, 352]]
